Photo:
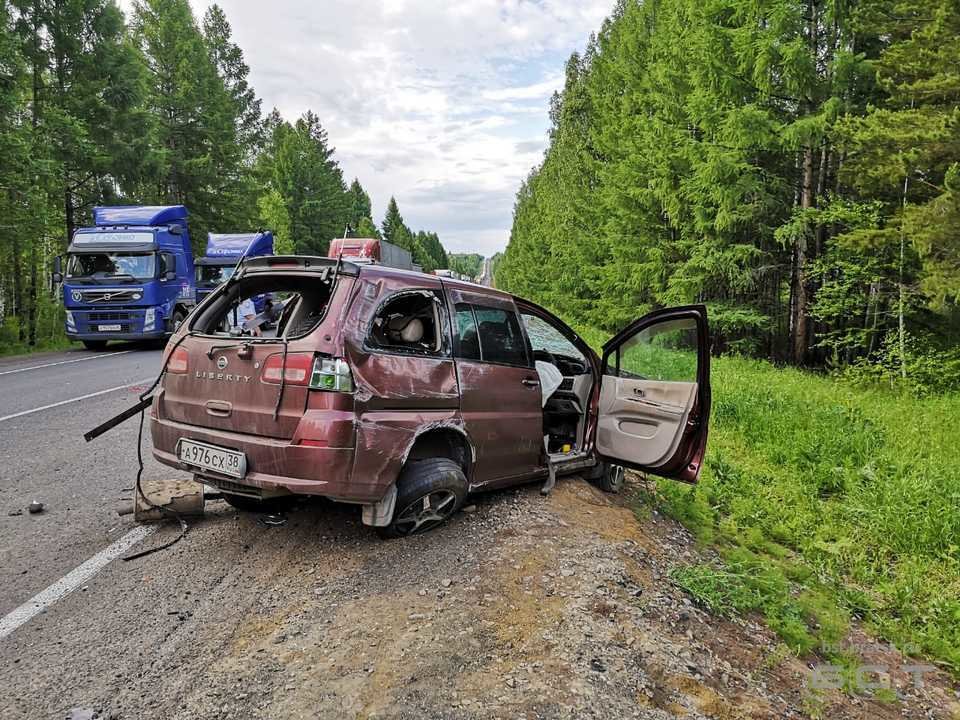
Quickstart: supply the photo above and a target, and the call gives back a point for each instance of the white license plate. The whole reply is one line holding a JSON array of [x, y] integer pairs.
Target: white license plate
[[210, 457], [108, 328]]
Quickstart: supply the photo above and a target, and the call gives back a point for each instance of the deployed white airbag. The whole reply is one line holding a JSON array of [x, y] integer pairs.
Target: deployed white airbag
[[550, 379]]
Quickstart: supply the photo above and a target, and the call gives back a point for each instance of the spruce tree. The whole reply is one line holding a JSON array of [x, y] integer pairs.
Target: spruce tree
[[393, 224], [227, 57], [201, 161]]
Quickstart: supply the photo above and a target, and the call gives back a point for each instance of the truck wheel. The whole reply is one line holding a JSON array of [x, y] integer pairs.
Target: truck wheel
[[94, 344], [177, 320], [428, 493]]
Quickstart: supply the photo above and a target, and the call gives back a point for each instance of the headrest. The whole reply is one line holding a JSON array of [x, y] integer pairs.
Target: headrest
[[406, 329]]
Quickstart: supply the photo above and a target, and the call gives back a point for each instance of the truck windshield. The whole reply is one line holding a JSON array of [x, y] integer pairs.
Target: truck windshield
[[213, 275], [112, 266]]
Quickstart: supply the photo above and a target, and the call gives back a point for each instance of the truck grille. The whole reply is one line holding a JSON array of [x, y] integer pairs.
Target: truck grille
[[105, 316], [103, 296]]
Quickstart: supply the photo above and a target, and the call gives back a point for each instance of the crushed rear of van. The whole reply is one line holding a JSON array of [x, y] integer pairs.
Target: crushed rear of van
[[262, 416]]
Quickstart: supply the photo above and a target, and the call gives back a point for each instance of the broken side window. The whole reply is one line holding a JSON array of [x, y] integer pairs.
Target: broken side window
[[408, 322]]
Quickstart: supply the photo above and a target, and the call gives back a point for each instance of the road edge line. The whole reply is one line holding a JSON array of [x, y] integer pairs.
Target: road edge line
[[72, 580]]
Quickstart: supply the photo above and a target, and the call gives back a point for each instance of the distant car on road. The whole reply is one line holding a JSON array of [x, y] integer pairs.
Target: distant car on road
[[402, 392]]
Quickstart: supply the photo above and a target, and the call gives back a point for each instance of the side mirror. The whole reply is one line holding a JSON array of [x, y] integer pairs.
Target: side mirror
[[57, 274]]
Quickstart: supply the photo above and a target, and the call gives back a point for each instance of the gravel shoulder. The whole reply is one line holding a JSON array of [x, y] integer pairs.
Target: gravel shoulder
[[527, 607]]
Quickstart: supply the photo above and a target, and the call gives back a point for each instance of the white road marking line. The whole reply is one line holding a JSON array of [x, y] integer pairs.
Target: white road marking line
[[76, 399], [72, 580], [65, 362]]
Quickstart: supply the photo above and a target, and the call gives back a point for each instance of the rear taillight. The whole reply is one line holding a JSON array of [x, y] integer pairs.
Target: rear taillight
[[331, 374], [296, 369], [317, 373], [177, 364]]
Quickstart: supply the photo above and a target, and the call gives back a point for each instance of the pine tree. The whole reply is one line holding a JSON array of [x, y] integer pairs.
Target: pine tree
[[366, 229], [227, 57], [393, 224], [201, 160], [299, 165], [359, 203]]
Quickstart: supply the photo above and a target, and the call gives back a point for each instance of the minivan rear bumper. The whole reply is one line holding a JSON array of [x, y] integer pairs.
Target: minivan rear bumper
[[273, 464]]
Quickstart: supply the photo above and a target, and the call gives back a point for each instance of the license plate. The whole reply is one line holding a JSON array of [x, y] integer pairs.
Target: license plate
[[210, 457], [108, 328]]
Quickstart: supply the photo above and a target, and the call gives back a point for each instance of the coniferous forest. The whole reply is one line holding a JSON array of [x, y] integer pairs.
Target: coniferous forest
[[156, 108], [791, 163]]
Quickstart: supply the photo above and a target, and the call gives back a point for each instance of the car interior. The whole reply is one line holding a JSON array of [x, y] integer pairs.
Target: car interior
[[288, 307], [407, 323], [564, 414]]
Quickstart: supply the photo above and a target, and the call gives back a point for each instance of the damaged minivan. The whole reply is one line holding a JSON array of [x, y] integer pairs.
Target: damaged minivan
[[402, 392]]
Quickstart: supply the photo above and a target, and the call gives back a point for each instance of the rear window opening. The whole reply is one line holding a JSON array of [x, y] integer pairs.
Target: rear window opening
[[273, 306]]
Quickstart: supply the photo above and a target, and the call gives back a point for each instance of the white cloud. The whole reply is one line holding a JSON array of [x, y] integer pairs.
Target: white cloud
[[443, 105]]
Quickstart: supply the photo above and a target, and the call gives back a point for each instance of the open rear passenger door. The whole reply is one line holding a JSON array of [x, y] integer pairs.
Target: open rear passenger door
[[655, 394]]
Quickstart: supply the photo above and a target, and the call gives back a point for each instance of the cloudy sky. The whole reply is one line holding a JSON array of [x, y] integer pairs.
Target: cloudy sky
[[442, 104]]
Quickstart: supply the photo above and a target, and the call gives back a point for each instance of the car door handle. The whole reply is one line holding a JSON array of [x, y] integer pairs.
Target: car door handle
[[530, 382], [218, 408]]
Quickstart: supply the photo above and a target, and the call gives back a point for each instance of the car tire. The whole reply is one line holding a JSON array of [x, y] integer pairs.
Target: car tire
[[259, 505], [610, 479], [439, 481], [94, 345]]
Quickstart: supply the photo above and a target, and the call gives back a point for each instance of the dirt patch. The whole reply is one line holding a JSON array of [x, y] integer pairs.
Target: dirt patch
[[528, 607]]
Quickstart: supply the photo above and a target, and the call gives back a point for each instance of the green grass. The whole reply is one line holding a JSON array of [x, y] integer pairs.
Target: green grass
[[827, 502], [50, 333], [10, 346]]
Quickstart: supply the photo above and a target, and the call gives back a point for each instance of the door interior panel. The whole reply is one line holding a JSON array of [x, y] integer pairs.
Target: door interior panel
[[653, 411]]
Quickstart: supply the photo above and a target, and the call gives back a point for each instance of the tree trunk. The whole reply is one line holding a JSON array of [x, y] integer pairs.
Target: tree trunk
[[18, 286], [807, 195], [801, 299], [34, 293], [901, 325], [35, 120]]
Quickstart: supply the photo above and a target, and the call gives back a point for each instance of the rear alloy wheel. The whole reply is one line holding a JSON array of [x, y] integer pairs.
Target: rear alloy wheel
[[94, 344], [428, 493]]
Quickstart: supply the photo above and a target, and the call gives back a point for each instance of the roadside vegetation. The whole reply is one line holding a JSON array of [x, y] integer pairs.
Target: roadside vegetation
[[828, 500], [152, 108]]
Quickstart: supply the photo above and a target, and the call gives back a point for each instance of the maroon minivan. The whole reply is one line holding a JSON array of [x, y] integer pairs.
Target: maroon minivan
[[402, 392]]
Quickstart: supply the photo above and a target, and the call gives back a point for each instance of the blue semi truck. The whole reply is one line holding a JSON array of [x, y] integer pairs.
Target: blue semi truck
[[224, 252], [130, 277]]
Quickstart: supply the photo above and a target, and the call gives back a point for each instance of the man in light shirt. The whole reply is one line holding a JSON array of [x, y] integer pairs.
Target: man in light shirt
[[242, 317]]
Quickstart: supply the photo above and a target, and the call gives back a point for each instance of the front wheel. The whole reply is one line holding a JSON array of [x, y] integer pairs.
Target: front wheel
[[610, 478], [428, 493], [94, 344]]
